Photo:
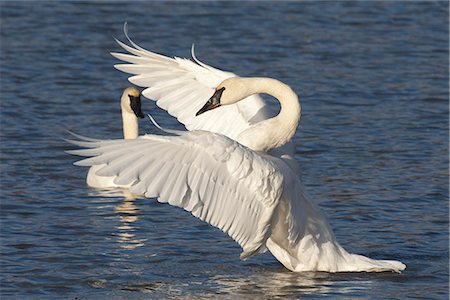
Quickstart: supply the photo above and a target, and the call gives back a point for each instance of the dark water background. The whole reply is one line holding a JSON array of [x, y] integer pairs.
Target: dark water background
[[373, 146]]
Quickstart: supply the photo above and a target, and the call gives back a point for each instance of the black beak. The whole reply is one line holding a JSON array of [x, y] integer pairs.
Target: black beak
[[135, 103], [212, 103]]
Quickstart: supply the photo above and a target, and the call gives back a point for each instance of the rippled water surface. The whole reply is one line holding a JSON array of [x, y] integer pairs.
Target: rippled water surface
[[373, 146]]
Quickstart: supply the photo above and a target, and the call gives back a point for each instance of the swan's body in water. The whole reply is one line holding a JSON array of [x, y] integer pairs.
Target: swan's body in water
[[130, 104], [232, 169]]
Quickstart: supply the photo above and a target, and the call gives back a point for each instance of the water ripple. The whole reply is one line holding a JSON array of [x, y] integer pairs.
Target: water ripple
[[373, 147]]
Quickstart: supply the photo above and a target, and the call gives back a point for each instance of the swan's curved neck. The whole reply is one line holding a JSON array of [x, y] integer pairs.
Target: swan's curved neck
[[279, 130], [130, 125]]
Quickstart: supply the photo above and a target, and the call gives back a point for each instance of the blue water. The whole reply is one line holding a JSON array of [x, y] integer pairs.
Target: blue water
[[373, 146]]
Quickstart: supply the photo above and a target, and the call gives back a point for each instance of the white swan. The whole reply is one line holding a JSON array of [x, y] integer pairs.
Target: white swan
[[130, 104], [229, 170]]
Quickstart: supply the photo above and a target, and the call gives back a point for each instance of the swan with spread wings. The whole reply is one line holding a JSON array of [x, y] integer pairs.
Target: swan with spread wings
[[233, 168]]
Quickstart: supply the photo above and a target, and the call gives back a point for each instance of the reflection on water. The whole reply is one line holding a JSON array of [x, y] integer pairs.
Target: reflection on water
[[262, 283], [128, 214], [273, 283], [280, 283]]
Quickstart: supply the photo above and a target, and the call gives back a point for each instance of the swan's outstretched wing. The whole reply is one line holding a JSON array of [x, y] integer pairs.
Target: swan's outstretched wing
[[182, 87], [215, 178]]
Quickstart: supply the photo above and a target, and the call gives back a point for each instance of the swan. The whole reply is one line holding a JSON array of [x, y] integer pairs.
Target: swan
[[130, 104], [233, 168]]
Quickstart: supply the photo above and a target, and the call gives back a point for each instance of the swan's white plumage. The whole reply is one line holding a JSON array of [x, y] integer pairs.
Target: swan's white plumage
[[215, 178], [130, 130], [180, 86], [256, 199], [254, 196]]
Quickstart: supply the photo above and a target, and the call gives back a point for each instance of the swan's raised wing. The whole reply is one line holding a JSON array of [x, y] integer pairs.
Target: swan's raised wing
[[213, 177], [182, 87]]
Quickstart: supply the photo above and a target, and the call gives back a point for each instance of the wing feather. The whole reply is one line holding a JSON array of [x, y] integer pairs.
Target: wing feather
[[116, 165], [207, 174], [182, 87], [133, 170]]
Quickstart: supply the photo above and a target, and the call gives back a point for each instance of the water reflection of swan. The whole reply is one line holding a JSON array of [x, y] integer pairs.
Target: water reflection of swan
[[229, 170], [281, 284], [128, 214]]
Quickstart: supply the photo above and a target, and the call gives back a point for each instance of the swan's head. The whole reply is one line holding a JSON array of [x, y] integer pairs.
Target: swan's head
[[229, 91], [131, 101]]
